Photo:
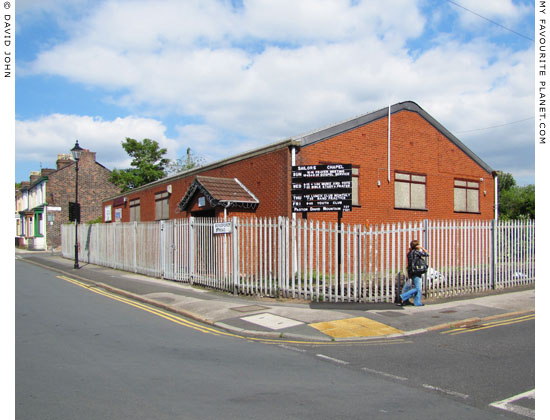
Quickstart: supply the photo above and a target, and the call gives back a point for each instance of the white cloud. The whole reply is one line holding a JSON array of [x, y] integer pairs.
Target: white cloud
[[36, 139], [504, 12], [276, 68]]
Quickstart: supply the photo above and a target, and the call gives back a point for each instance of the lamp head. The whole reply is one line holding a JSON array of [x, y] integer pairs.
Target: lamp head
[[76, 151]]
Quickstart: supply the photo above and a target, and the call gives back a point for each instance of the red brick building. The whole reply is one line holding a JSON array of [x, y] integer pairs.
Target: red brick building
[[406, 166], [42, 204]]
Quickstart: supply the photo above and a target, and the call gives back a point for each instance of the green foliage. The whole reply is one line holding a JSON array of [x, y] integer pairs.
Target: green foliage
[[505, 181], [96, 220], [148, 164], [185, 163], [515, 202]]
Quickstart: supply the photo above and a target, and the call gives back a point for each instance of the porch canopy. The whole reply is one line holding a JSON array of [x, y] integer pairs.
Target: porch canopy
[[224, 192]]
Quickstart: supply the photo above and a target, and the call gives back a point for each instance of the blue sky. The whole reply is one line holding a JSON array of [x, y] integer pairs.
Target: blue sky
[[223, 77]]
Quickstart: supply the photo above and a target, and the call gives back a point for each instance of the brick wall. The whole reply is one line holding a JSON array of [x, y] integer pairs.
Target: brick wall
[[416, 146], [93, 188], [266, 176]]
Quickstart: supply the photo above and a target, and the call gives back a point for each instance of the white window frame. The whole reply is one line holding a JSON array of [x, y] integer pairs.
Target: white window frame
[[466, 193], [355, 186], [408, 185]]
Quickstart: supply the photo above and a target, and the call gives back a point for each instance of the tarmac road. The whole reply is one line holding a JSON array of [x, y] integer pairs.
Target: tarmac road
[[86, 353]]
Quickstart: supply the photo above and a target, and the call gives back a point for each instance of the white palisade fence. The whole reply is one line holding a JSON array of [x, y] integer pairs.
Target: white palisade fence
[[314, 260]]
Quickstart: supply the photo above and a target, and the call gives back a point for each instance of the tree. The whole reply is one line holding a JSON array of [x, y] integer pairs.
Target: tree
[[148, 164], [515, 202], [505, 181], [183, 164]]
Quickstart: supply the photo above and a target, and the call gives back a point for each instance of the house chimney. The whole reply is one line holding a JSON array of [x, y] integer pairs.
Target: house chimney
[[46, 171], [34, 176], [86, 154], [63, 159]]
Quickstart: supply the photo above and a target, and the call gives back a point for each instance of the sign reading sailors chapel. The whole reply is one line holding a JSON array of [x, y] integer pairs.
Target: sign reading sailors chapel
[[319, 188]]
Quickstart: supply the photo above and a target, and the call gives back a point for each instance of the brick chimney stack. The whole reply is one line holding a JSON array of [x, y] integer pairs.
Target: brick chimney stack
[[63, 159], [35, 176]]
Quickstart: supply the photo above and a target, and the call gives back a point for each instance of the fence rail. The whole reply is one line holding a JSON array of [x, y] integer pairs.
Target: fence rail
[[314, 260]]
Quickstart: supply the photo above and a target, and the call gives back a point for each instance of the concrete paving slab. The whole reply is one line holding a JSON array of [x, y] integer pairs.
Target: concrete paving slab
[[273, 322]]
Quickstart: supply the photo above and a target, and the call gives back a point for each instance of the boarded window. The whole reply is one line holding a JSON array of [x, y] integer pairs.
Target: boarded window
[[162, 205], [466, 196], [135, 210], [410, 191]]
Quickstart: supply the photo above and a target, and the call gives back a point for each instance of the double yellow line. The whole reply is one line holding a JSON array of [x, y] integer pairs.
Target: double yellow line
[[170, 317], [492, 324], [200, 327]]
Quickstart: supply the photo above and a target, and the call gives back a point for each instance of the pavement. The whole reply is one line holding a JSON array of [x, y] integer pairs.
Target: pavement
[[291, 318]]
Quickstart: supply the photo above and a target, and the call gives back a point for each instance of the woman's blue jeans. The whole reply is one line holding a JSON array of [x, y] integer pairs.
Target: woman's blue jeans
[[416, 291]]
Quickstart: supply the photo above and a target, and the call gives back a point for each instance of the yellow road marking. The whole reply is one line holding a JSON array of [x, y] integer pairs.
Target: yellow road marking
[[205, 329], [166, 315], [354, 327], [492, 324]]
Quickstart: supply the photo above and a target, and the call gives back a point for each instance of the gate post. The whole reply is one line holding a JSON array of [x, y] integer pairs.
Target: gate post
[[135, 247], [425, 237], [191, 249], [235, 255], [162, 240], [494, 234]]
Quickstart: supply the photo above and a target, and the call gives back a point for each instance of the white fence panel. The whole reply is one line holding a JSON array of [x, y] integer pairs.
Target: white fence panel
[[311, 260]]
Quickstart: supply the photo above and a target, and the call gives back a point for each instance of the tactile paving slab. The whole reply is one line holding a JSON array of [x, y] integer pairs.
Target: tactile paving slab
[[354, 327]]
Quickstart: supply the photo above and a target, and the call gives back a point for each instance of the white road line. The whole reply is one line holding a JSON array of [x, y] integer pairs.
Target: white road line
[[284, 346], [508, 406], [389, 375], [446, 391], [342, 362]]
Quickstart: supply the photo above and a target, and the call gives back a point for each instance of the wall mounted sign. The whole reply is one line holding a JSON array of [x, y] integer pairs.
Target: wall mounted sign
[[224, 227], [320, 188]]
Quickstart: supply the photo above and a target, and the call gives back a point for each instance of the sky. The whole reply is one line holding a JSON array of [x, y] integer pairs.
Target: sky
[[223, 77]]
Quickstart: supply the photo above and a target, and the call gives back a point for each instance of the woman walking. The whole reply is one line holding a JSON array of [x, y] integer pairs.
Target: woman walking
[[415, 270]]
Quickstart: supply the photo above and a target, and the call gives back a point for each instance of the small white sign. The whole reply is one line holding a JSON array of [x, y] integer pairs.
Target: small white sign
[[224, 227], [49, 208]]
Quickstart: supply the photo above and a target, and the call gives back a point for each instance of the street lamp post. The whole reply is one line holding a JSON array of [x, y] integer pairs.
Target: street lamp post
[[76, 152]]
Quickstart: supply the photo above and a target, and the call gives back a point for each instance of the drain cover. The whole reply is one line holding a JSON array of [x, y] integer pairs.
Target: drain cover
[[249, 308], [450, 311]]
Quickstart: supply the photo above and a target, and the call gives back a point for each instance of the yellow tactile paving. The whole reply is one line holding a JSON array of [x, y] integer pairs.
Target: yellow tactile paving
[[354, 327]]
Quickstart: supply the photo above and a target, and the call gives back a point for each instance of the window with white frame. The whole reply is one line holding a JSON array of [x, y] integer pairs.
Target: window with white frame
[[410, 191], [466, 196], [355, 186], [162, 205], [135, 210]]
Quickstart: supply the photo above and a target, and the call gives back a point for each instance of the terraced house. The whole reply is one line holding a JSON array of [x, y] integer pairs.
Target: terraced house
[[42, 203]]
